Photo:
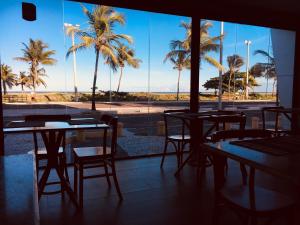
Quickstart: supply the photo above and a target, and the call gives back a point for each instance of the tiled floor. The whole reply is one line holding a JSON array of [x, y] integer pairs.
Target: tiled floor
[[152, 196]]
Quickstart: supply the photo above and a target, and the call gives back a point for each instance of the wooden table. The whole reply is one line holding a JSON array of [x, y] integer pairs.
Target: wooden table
[[195, 122], [52, 134], [284, 166]]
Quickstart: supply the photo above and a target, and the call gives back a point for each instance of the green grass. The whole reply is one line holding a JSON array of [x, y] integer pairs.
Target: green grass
[[123, 96]]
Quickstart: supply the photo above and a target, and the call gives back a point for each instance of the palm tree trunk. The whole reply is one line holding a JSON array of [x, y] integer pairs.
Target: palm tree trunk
[[121, 74], [273, 88], [95, 81], [229, 85], [34, 78], [178, 81], [4, 88]]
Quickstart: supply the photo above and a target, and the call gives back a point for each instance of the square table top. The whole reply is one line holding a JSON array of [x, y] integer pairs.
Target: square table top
[[286, 166], [48, 126]]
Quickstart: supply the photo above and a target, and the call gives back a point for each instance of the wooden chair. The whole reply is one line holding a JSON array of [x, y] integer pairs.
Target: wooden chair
[[221, 121], [253, 201], [41, 152], [179, 138], [276, 130], [95, 157]]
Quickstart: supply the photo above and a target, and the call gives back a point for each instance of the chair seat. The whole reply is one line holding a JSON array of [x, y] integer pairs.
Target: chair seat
[[265, 200], [179, 137], [43, 151], [91, 152]]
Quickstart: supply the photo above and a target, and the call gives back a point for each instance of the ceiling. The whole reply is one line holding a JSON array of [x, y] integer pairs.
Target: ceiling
[[272, 13]]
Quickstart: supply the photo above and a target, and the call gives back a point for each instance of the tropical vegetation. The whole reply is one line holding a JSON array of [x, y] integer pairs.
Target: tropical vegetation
[[266, 69], [100, 36], [126, 55], [233, 74], [180, 50], [8, 78], [36, 53]]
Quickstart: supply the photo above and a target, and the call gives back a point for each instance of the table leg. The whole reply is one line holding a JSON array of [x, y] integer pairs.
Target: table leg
[[43, 180], [67, 186], [52, 141]]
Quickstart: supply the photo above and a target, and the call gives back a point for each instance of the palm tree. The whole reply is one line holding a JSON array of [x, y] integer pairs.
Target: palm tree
[[8, 78], [267, 69], [36, 54], [100, 36], [126, 55], [179, 61], [41, 72], [24, 80], [235, 62], [207, 43]]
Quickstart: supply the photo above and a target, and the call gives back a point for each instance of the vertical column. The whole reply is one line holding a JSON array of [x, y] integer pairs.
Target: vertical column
[[1, 117], [195, 62], [283, 42], [296, 83]]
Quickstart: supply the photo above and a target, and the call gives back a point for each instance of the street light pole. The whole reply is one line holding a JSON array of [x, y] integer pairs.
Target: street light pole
[[220, 71], [74, 58], [248, 43]]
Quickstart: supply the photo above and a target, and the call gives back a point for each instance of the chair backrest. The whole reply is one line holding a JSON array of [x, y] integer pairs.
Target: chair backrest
[[111, 121], [240, 134], [276, 117], [171, 121], [217, 120]]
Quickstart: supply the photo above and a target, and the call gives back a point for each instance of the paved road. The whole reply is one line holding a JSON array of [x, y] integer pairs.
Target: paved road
[[19, 110]]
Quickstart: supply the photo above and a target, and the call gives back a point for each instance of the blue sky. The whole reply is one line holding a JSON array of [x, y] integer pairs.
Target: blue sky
[[160, 29]]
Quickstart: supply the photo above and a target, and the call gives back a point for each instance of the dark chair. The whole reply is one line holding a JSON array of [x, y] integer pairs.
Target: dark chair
[[95, 157], [276, 130], [253, 201], [178, 138], [41, 152], [221, 121]]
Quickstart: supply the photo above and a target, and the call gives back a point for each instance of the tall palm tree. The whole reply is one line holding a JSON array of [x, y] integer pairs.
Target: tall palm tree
[[179, 61], [100, 36], [24, 80], [207, 43], [266, 69], [41, 72], [8, 78], [35, 53], [126, 55], [235, 62]]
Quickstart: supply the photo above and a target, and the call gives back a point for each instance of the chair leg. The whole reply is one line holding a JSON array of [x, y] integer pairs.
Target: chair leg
[[116, 180], [178, 150], [253, 220], [216, 213], [61, 168], [75, 179], [291, 216], [244, 173], [164, 154], [80, 186], [106, 174], [66, 168], [37, 165]]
